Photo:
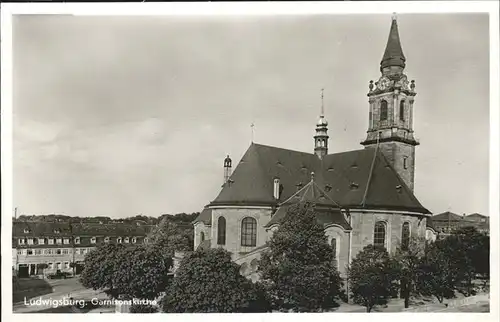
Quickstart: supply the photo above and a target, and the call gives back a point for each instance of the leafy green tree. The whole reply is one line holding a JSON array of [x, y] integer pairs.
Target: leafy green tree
[[141, 273], [99, 267], [209, 281], [436, 275], [298, 269], [407, 260], [371, 277]]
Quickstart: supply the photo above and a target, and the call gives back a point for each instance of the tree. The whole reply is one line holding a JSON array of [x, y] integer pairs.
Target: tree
[[138, 308], [298, 269], [371, 277], [99, 267], [209, 281], [407, 260], [436, 276], [141, 273], [169, 236]]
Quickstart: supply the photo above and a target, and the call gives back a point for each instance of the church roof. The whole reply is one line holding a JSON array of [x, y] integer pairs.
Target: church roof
[[344, 175], [393, 55], [324, 216]]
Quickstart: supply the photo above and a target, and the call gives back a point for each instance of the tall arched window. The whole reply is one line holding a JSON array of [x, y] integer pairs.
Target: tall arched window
[[383, 110], [402, 110], [379, 234], [221, 231], [405, 236], [202, 237], [249, 232], [334, 250]]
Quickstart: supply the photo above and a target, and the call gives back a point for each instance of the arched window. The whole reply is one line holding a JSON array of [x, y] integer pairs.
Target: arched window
[[221, 231], [379, 234], [402, 110], [383, 110], [202, 237], [249, 232], [405, 236]]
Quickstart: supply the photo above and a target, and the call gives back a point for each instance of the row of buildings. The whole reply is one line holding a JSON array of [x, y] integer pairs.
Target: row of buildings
[[58, 244]]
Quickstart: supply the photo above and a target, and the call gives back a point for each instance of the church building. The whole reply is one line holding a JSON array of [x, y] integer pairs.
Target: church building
[[362, 197]]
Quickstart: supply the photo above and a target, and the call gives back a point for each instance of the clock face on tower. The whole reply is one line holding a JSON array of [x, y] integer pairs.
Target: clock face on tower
[[383, 83]]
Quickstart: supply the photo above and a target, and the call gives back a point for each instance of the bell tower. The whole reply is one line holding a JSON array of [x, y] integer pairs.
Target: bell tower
[[391, 110], [321, 137]]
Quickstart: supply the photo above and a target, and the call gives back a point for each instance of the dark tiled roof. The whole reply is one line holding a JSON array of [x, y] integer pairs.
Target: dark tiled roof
[[52, 229], [345, 173], [205, 216], [324, 215]]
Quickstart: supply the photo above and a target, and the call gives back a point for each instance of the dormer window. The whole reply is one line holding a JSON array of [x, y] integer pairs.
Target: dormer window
[[106, 239], [77, 240], [21, 241], [354, 186], [119, 240], [126, 240], [57, 231], [58, 240], [50, 241], [328, 188], [276, 188], [30, 241], [26, 231], [134, 240], [41, 241], [66, 241], [93, 240]]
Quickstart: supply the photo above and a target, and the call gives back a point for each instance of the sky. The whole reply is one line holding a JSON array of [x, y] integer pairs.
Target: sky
[[119, 116]]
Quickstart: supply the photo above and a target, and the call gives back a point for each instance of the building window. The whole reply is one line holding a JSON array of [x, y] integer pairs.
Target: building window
[[93, 240], [106, 239], [51, 265], [65, 251], [134, 240], [146, 240], [405, 163], [48, 252], [379, 234], [21, 241], [29, 252], [58, 252], [405, 236], [402, 110], [41, 241], [66, 241], [221, 231], [383, 110], [77, 240], [30, 241], [333, 243], [66, 264], [38, 252], [50, 241], [58, 265], [202, 237], [59, 241], [26, 231], [119, 240], [249, 232], [126, 240], [20, 251]]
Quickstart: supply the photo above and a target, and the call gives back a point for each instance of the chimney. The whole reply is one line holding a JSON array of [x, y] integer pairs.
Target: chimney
[[227, 168], [276, 188]]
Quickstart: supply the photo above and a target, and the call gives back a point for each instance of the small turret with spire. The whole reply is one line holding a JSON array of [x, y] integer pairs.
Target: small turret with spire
[[227, 168], [321, 137]]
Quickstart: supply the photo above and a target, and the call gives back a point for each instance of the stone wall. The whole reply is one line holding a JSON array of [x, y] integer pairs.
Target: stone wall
[[363, 224], [234, 217]]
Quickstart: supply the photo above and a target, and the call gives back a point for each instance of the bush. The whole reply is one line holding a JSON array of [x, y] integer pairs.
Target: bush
[[137, 308]]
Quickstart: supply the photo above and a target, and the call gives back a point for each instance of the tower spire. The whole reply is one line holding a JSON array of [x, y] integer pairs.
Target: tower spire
[[393, 55], [321, 137]]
